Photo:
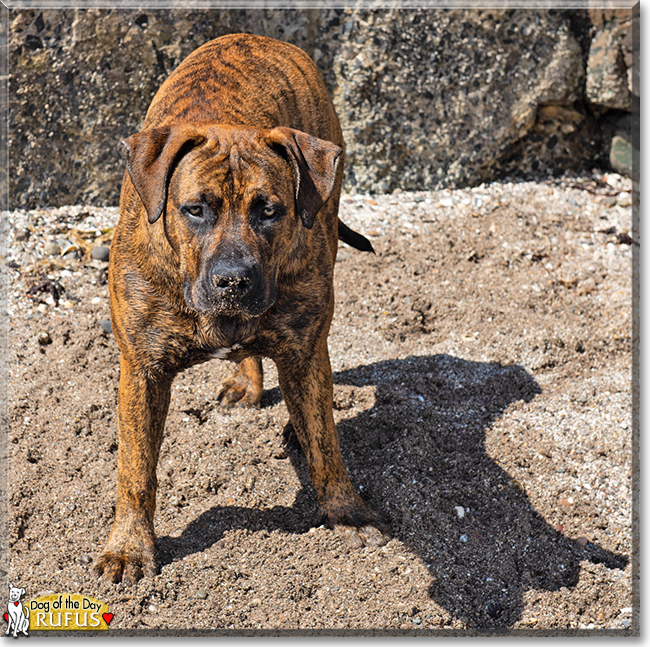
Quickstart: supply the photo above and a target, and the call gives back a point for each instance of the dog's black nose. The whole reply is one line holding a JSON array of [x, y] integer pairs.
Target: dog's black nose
[[232, 278]]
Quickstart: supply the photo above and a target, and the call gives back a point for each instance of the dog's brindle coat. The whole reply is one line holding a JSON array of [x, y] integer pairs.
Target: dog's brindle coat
[[225, 247]]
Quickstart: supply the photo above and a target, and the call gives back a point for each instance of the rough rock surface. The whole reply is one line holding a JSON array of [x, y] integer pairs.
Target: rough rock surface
[[612, 85], [482, 394], [427, 98], [610, 65]]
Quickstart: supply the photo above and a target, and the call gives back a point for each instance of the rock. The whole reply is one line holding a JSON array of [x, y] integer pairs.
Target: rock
[[201, 594], [460, 511], [621, 156], [624, 238], [85, 560], [624, 199], [610, 56], [583, 541], [493, 609], [23, 234], [52, 249], [44, 338], [106, 326], [463, 96], [100, 253]]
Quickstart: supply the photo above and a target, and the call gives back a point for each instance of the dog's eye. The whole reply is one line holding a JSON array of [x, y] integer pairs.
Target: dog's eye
[[194, 210], [268, 212]]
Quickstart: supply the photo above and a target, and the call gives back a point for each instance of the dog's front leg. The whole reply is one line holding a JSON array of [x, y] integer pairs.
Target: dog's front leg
[[143, 401], [307, 390]]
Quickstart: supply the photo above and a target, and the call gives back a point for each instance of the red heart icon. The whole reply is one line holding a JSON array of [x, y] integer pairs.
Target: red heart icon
[[16, 604], [6, 617], [107, 617]]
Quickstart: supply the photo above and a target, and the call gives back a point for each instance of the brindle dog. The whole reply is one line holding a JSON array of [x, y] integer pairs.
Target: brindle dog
[[225, 248]]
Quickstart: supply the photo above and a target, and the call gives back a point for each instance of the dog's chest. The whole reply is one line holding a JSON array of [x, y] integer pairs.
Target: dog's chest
[[224, 352]]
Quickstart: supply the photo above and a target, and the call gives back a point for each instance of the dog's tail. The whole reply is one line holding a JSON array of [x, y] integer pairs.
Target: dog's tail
[[354, 239]]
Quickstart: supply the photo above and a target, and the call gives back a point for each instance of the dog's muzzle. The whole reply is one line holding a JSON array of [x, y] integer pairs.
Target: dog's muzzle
[[230, 286]]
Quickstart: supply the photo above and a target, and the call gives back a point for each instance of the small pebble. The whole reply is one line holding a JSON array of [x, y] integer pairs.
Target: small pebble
[[493, 609], [463, 538], [460, 511], [626, 624], [71, 507], [100, 253], [624, 199], [44, 338], [85, 559], [52, 249], [106, 326], [583, 541], [96, 300], [201, 594], [23, 235]]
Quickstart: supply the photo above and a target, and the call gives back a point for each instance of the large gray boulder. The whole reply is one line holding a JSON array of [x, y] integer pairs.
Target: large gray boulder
[[437, 98]]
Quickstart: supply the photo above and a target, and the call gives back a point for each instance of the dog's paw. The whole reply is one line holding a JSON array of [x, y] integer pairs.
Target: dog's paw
[[126, 561], [365, 536], [358, 524], [239, 390]]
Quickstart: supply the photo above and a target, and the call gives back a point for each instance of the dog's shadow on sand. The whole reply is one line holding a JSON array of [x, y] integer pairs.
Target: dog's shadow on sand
[[418, 456]]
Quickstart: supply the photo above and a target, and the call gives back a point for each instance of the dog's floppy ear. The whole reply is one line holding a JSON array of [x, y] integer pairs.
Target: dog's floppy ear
[[150, 158], [314, 162]]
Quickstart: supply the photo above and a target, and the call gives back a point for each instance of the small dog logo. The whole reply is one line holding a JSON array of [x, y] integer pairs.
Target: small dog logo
[[17, 616]]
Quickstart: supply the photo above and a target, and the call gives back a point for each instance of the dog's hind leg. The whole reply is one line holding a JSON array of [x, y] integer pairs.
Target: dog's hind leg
[[245, 385]]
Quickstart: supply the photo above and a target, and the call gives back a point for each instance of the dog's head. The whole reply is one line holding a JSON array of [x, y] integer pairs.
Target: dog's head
[[15, 593], [232, 202]]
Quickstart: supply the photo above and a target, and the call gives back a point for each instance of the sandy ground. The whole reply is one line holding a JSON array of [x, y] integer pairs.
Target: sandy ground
[[482, 368]]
